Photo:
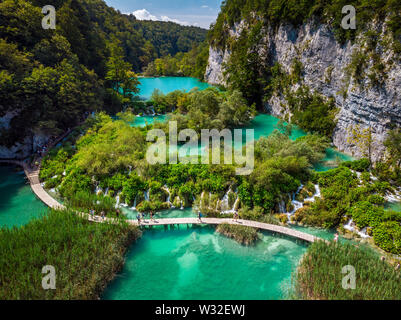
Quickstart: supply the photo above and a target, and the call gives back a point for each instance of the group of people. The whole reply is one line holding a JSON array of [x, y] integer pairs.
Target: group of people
[[140, 216], [94, 217]]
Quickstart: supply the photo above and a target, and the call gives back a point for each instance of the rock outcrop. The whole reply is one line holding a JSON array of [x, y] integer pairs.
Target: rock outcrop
[[325, 70]]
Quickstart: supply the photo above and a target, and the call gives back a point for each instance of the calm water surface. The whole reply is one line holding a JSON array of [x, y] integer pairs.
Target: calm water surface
[[18, 204], [188, 262]]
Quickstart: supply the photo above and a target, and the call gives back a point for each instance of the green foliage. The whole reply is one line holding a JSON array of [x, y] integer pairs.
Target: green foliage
[[209, 108], [319, 274], [276, 12], [345, 196], [393, 145], [311, 112], [242, 234], [188, 64], [85, 255], [361, 165], [52, 78]]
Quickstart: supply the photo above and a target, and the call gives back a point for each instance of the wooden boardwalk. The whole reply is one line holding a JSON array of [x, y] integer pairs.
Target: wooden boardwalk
[[33, 177], [216, 221]]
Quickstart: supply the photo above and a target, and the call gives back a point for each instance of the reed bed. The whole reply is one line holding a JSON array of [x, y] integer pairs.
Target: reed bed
[[319, 274], [85, 256], [242, 234]]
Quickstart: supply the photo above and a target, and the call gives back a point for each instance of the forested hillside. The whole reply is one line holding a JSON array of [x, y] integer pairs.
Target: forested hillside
[[50, 78]]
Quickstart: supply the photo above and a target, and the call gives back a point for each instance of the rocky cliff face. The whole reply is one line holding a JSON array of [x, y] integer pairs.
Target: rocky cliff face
[[22, 149], [325, 70]]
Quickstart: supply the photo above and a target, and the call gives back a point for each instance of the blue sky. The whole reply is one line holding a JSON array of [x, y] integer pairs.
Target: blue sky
[[188, 12]]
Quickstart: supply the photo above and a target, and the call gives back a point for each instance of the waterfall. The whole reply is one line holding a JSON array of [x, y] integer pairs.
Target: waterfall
[[281, 207], [224, 201], [235, 205], [98, 189], [106, 191], [350, 226], [134, 206], [169, 196], [316, 195], [117, 200], [297, 205], [146, 195]]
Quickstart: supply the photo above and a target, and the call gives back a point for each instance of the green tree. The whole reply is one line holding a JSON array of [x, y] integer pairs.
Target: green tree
[[393, 145], [119, 74]]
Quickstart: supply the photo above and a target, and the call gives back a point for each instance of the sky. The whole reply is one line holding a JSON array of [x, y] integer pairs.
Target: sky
[[199, 13]]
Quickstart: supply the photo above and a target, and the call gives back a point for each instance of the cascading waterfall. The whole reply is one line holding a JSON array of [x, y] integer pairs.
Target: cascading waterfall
[[98, 189], [134, 206], [224, 201], [234, 209], [281, 207], [350, 226], [117, 200], [169, 196], [146, 195], [297, 204]]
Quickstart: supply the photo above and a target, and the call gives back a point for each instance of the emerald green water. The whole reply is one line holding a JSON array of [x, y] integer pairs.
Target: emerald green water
[[198, 263], [185, 262], [148, 120], [395, 206], [18, 204], [168, 84]]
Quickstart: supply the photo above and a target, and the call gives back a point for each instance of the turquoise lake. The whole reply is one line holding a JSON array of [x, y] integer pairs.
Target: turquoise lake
[[168, 84], [185, 262], [18, 204]]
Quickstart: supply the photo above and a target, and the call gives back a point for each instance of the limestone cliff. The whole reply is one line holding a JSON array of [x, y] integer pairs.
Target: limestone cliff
[[326, 64]]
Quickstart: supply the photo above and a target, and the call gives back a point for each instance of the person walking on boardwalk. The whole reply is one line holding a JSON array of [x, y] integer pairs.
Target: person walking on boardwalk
[[139, 218], [151, 215], [336, 237], [102, 215], [199, 216]]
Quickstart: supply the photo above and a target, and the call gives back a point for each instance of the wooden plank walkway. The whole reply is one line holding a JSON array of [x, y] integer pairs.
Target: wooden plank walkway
[[33, 177], [216, 221]]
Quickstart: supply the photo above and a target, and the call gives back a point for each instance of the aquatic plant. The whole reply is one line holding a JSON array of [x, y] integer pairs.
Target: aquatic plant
[[85, 256], [242, 234], [319, 275]]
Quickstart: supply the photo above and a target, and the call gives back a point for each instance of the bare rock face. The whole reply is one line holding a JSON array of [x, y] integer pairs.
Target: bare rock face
[[214, 70], [24, 148], [325, 63]]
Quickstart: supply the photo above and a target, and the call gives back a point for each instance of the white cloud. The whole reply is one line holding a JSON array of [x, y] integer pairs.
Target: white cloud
[[167, 19], [146, 15]]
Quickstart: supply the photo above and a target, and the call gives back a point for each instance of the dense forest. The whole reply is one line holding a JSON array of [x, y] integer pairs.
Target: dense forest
[[50, 78], [188, 64]]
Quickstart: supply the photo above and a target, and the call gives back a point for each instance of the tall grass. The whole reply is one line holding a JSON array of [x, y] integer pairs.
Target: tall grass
[[85, 256], [242, 234], [319, 274]]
